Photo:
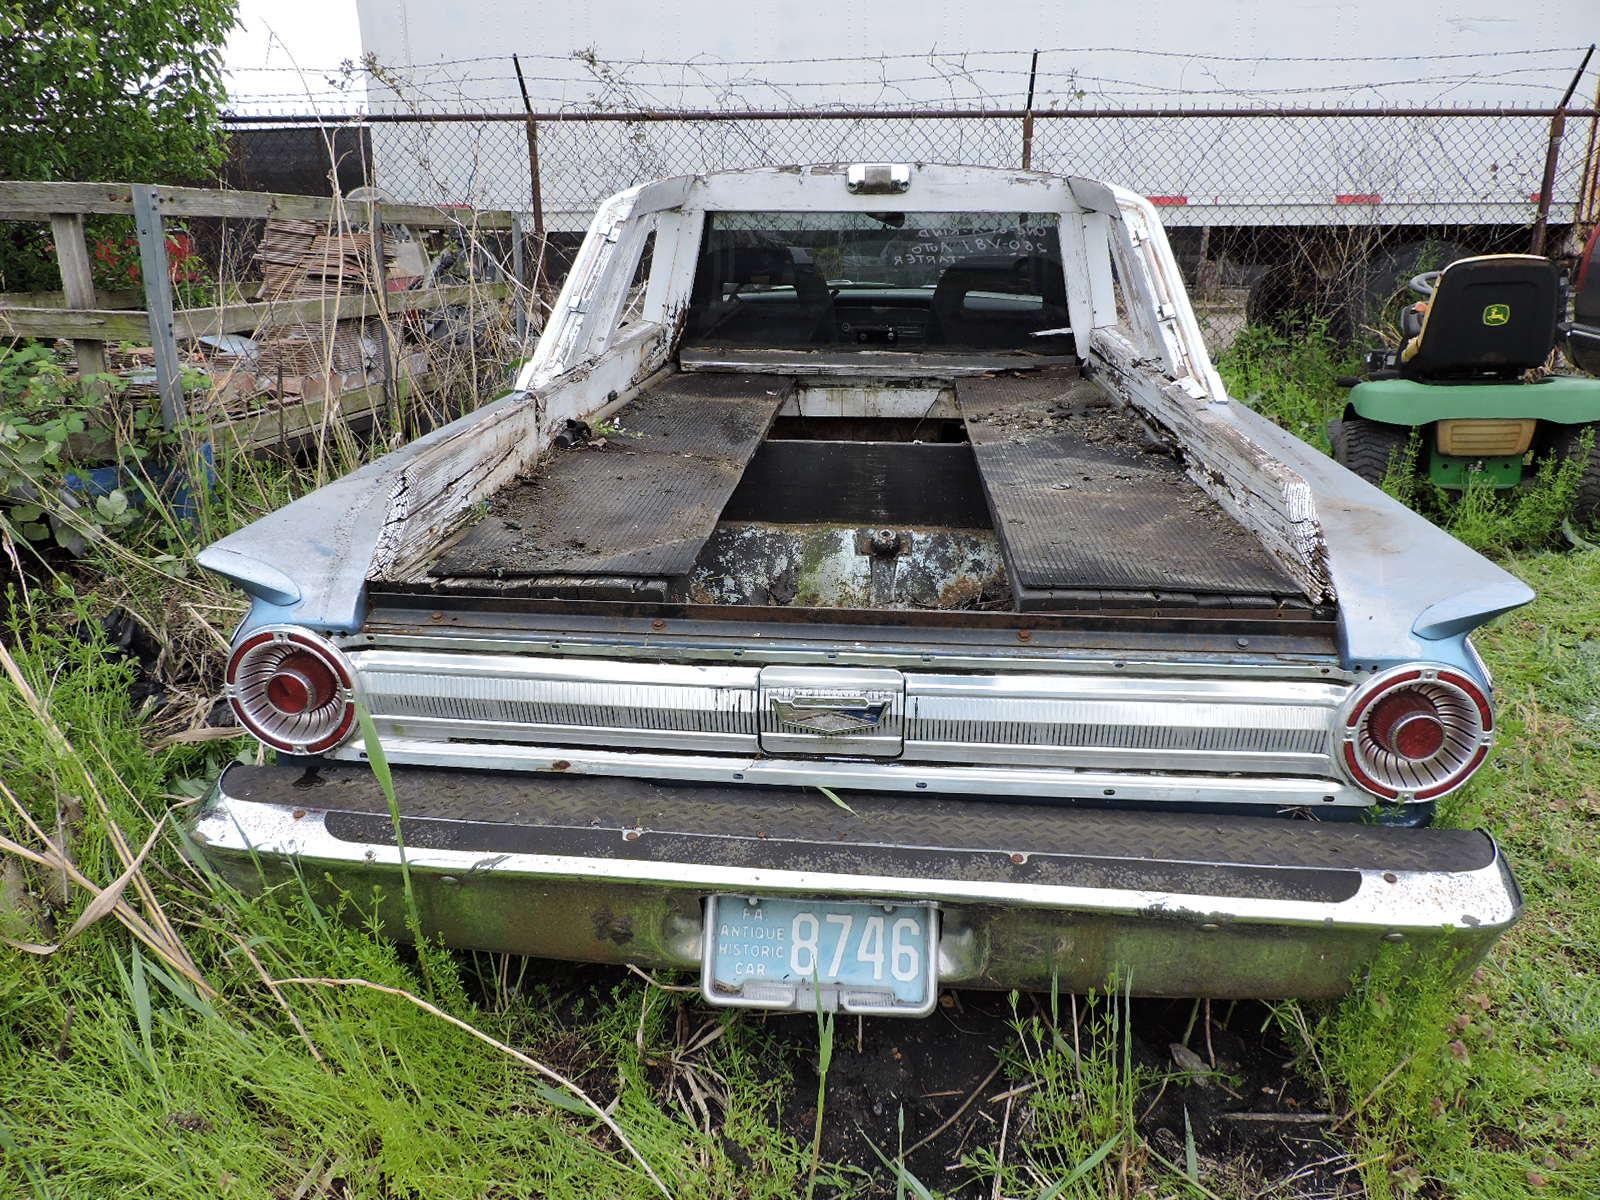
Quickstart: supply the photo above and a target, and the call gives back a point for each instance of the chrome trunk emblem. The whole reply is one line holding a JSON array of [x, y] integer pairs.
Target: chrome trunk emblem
[[854, 711], [831, 716]]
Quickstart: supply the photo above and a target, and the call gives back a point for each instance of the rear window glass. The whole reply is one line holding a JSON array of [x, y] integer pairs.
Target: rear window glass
[[889, 280]]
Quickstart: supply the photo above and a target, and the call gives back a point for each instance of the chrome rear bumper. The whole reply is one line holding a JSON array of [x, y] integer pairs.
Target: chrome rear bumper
[[616, 870]]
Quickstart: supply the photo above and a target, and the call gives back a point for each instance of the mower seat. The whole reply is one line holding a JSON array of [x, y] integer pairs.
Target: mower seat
[[1491, 317]]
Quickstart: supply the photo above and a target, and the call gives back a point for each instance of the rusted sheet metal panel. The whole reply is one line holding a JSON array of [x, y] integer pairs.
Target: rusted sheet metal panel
[[642, 506]]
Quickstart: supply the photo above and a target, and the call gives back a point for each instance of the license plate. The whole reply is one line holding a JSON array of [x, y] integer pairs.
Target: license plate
[[798, 954]]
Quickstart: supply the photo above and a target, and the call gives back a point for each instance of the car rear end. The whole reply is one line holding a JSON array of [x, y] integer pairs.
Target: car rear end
[[940, 643], [866, 814]]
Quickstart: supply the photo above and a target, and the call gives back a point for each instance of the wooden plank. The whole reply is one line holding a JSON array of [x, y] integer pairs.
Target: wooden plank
[[25, 200], [1261, 493], [150, 225], [102, 299], [232, 293], [77, 286], [109, 325]]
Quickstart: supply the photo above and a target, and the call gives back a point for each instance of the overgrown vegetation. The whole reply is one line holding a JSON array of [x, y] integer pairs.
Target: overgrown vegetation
[[1292, 378], [163, 1051]]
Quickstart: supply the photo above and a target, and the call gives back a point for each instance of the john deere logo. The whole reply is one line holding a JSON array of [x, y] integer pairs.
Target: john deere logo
[[1497, 314]]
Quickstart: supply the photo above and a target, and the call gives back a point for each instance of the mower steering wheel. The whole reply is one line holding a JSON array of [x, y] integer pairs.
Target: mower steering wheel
[[1425, 283]]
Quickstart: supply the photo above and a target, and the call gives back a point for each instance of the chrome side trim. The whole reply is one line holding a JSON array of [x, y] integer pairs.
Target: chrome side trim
[[526, 699], [1130, 723], [1270, 792], [799, 650]]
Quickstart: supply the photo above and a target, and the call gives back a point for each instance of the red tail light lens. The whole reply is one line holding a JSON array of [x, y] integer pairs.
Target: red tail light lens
[[1416, 733], [301, 683], [1406, 723], [292, 689]]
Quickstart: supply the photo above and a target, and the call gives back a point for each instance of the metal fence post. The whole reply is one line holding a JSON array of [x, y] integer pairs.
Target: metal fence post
[[536, 201], [158, 300], [536, 205], [1027, 116], [519, 272], [1552, 156]]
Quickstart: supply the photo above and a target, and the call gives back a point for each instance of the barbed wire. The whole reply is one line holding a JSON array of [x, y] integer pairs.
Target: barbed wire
[[976, 80], [1143, 52]]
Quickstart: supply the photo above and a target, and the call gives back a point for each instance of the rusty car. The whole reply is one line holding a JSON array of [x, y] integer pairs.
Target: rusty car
[[870, 587]]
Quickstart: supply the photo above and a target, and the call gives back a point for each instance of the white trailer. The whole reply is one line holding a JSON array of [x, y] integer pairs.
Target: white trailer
[[695, 55]]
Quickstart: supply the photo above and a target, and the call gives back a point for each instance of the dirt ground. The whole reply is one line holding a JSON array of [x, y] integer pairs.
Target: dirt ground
[[946, 1072], [946, 1063]]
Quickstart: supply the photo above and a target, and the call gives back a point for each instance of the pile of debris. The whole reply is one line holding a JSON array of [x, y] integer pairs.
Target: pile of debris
[[307, 258], [311, 360]]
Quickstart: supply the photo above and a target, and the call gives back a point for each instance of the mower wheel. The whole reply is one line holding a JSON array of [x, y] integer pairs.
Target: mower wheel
[[1368, 447], [1586, 504]]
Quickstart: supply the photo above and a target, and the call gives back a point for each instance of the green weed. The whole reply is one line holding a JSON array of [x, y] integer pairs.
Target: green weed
[[1290, 377]]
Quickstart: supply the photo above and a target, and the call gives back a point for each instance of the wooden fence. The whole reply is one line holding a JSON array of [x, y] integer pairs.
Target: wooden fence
[[90, 318]]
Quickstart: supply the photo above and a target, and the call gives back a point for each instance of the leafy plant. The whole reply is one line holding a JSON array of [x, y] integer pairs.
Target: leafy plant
[[1289, 377], [102, 90]]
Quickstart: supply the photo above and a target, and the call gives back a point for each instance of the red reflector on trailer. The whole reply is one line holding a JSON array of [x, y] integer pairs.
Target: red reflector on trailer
[[1358, 198], [1168, 200]]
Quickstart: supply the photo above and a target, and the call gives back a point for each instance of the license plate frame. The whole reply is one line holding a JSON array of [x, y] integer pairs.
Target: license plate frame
[[831, 990]]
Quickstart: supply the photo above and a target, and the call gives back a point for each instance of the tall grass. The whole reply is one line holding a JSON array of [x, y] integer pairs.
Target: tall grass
[[119, 1075], [1290, 377]]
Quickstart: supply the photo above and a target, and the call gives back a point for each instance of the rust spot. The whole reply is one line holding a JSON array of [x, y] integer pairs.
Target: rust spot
[[658, 623], [560, 764], [1390, 877], [298, 813], [612, 927], [1019, 859], [632, 835], [1024, 635]]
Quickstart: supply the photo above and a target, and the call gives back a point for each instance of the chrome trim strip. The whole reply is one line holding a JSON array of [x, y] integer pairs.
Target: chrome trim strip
[[1136, 724], [799, 650], [1269, 792], [1386, 901], [521, 698]]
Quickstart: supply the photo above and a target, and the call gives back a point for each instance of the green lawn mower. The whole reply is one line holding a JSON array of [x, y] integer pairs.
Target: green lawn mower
[[1465, 379]]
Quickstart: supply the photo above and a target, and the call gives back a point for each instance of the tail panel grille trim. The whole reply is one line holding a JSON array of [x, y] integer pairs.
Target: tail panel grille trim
[[1118, 722]]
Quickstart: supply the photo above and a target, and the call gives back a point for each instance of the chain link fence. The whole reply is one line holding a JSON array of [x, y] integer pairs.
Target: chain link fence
[[1274, 213]]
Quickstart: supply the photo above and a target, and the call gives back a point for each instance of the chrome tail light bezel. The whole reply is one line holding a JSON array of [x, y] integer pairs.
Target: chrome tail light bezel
[[252, 664], [1464, 706]]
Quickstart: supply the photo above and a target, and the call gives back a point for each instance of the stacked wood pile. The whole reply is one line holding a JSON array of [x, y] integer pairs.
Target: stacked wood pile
[[302, 258], [318, 336], [306, 258]]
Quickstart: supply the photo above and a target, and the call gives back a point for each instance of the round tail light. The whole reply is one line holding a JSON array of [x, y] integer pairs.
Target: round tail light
[[292, 689], [1416, 733]]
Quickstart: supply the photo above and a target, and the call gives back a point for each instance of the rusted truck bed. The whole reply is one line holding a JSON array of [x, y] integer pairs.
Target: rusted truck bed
[[1090, 508]]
